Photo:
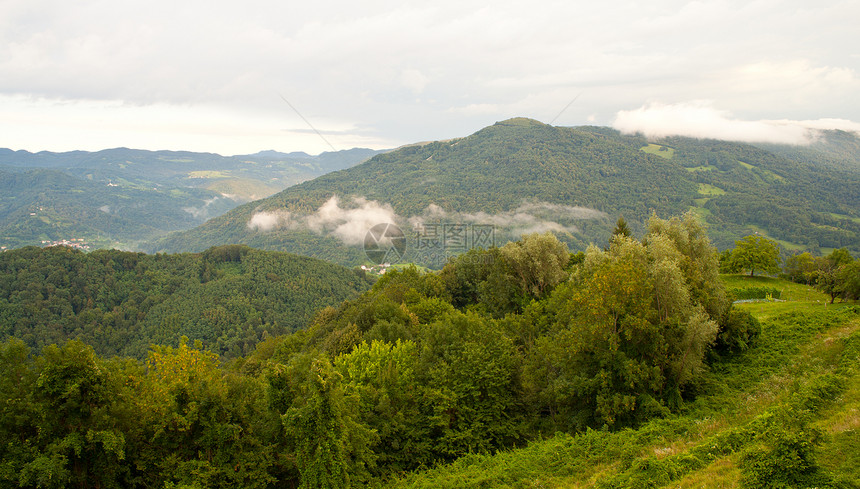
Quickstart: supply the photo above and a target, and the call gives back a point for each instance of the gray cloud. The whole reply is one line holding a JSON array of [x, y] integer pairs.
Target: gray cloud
[[209, 75]]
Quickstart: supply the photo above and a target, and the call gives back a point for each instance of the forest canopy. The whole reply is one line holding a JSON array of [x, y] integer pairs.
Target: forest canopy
[[228, 297], [501, 347]]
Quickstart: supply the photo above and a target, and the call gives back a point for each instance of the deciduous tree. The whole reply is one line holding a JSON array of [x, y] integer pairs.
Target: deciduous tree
[[756, 253]]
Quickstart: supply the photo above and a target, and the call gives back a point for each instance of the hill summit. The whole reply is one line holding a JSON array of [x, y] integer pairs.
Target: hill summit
[[521, 176]]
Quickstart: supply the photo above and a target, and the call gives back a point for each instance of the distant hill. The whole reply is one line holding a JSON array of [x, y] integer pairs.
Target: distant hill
[[833, 148], [522, 176], [118, 197], [229, 298]]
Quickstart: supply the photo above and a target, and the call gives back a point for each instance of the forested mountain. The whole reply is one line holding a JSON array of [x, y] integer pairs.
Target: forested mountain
[[521, 176], [834, 148], [48, 205], [118, 197], [229, 297]]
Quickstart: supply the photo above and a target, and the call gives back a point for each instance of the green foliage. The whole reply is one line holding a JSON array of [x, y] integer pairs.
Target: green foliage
[[849, 281], [756, 253], [502, 280], [764, 427], [621, 228], [630, 328], [756, 293], [802, 268], [784, 455], [739, 331], [383, 377], [470, 371], [229, 297], [537, 261], [839, 275], [501, 167], [638, 340], [330, 445]]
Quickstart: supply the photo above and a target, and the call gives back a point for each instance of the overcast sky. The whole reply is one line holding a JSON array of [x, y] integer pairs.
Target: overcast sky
[[232, 77]]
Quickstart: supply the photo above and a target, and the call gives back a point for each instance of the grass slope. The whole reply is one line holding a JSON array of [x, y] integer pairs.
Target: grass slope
[[806, 364]]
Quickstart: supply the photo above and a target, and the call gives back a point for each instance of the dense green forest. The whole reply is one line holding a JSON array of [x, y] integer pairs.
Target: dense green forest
[[524, 176], [572, 368], [119, 303], [120, 197]]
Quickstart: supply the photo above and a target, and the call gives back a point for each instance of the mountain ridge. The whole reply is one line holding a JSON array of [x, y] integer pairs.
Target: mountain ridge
[[149, 193], [504, 168]]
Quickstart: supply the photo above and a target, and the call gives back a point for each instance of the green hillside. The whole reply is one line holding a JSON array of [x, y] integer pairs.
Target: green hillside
[[786, 411], [117, 198], [47, 205], [524, 176], [521, 366], [141, 169], [229, 298]]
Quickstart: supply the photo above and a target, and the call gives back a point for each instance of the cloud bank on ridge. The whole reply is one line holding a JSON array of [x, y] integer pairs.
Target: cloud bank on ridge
[[350, 219], [702, 120]]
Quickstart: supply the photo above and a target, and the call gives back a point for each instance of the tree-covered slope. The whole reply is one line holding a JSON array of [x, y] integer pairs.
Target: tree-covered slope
[[119, 197], [49, 205], [520, 176], [229, 297], [806, 203], [782, 414], [522, 366]]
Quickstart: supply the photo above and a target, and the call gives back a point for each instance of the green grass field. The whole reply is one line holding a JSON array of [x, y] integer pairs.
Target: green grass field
[[707, 189], [700, 212], [843, 216], [659, 150], [702, 168], [782, 243]]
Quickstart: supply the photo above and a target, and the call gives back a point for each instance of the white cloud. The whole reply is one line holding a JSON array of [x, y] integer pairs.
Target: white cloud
[[350, 224], [269, 220], [413, 80], [702, 120], [530, 217]]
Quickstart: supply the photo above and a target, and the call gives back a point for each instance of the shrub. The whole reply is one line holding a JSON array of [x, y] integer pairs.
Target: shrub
[[739, 331]]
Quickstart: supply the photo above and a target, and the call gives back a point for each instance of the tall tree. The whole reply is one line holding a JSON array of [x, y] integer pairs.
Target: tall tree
[[756, 253], [331, 445], [537, 261], [621, 228], [836, 274], [849, 280]]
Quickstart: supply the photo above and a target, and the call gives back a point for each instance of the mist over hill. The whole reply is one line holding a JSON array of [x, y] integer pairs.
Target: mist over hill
[[520, 176]]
